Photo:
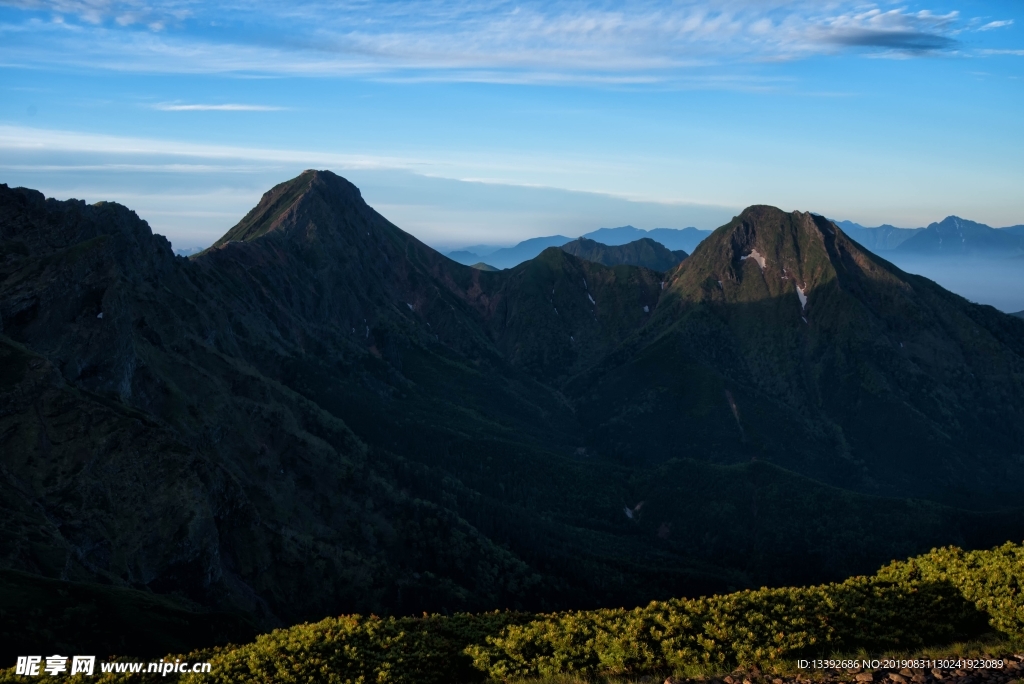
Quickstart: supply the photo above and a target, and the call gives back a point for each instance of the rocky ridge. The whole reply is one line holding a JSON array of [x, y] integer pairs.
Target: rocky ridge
[[320, 400]]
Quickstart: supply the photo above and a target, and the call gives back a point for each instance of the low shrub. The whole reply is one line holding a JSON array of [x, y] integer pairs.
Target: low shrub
[[944, 596]]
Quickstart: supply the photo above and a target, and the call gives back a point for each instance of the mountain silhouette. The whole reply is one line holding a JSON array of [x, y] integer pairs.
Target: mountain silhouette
[[320, 414], [643, 252], [508, 257], [675, 239], [879, 239], [956, 236]]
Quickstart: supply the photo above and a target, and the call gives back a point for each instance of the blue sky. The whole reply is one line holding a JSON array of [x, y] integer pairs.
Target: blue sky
[[469, 122]]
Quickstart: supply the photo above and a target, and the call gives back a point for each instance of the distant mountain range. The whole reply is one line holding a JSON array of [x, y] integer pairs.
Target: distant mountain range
[[507, 257], [320, 415], [953, 236], [674, 239], [684, 239], [878, 239]]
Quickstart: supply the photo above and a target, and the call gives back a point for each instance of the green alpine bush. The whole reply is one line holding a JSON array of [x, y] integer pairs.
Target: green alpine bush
[[936, 599]]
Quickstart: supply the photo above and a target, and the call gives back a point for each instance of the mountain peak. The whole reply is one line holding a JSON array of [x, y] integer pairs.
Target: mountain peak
[[279, 206], [774, 231], [766, 254]]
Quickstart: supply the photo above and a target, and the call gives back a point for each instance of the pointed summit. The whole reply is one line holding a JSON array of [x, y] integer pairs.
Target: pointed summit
[[289, 205], [767, 254]]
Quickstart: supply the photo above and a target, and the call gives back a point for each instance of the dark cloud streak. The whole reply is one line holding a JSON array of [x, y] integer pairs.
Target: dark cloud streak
[[906, 41]]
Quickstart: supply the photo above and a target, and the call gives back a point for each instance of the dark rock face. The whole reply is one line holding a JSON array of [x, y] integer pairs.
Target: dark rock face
[[320, 414]]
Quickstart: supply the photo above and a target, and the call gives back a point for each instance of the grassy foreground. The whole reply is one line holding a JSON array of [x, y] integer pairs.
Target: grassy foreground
[[940, 598]]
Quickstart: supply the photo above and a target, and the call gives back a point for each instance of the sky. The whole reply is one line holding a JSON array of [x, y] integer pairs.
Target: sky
[[485, 121]]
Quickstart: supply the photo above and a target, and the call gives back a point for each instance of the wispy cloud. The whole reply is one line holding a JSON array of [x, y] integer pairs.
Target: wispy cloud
[[48, 140], [644, 41], [996, 24], [169, 107], [154, 15]]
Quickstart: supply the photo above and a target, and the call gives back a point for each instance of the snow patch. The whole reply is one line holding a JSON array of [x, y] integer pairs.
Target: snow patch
[[803, 319], [99, 315], [756, 256], [409, 305], [803, 297], [585, 284], [662, 284], [647, 309], [721, 285], [591, 299]]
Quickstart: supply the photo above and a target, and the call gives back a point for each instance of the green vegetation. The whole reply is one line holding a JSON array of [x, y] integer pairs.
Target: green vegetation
[[275, 202], [934, 600]]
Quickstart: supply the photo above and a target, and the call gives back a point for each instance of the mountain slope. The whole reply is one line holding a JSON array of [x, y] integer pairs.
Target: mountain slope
[[557, 315], [320, 414], [213, 350], [781, 338], [643, 252]]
